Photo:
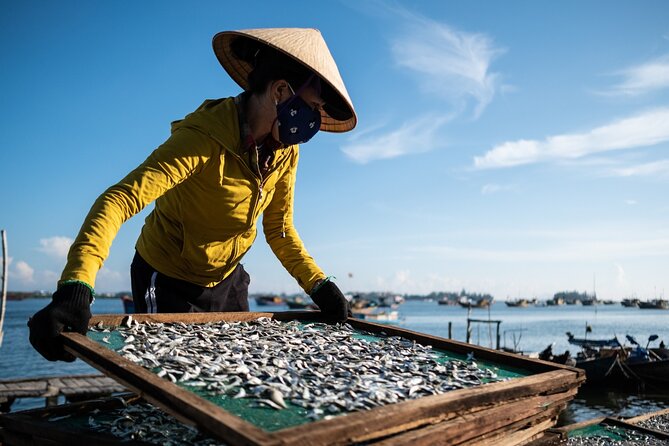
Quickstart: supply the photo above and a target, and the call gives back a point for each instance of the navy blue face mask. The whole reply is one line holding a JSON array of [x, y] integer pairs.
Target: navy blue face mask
[[297, 121]]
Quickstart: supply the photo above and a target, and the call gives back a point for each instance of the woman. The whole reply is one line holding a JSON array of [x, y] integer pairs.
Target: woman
[[224, 165]]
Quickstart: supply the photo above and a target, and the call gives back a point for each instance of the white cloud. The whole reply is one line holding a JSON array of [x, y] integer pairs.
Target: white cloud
[[56, 247], [417, 136], [24, 272], [645, 129], [645, 169], [452, 64], [641, 79], [108, 279], [630, 202]]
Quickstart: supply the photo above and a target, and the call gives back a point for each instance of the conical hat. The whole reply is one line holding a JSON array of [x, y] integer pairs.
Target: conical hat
[[306, 46]]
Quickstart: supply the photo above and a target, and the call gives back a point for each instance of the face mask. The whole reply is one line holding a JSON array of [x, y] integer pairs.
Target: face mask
[[297, 122]]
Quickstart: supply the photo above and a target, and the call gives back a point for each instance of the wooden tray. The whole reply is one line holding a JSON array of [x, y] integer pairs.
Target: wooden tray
[[33, 427], [567, 431], [457, 417], [646, 416]]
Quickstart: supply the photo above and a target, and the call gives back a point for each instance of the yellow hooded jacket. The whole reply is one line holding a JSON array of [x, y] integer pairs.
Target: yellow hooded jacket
[[207, 203]]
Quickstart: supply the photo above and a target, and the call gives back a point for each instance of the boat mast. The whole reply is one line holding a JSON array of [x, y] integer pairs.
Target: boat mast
[[4, 283]]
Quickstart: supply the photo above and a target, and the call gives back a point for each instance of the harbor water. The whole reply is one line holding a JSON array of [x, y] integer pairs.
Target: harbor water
[[529, 329]]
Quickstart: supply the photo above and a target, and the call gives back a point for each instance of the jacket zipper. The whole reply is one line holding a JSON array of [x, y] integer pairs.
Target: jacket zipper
[[259, 181]]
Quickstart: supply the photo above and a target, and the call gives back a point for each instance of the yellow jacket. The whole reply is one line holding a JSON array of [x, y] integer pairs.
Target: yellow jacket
[[207, 203]]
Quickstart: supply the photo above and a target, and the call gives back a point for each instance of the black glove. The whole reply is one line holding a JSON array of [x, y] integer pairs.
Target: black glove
[[332, 302], [69, 310]]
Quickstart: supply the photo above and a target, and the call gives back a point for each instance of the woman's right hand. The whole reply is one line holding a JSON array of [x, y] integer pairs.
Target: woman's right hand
[[69, 310]]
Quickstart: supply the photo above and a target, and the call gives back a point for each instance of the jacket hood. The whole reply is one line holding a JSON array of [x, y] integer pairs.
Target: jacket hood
[[216, 118]]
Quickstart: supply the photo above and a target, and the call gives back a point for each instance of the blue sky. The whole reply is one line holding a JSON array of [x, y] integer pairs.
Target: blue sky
[[516, 148]]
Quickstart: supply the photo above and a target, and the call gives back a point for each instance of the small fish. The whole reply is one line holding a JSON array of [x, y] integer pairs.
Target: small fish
[[127, 321], [276, 396]]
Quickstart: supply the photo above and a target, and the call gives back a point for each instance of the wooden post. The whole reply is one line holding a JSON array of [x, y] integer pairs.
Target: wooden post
[[450, 330], [4, 283], [469, 331]]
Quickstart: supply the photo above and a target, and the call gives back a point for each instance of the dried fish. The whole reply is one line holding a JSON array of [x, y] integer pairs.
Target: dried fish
[[315, 368], [615, 436], [144, 422], [658, 423]]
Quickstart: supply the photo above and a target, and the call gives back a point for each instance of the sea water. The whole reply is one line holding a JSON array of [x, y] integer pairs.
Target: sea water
[[529, 329]]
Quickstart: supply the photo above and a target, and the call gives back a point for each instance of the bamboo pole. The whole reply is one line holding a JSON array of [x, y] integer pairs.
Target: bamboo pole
[[4, 283]]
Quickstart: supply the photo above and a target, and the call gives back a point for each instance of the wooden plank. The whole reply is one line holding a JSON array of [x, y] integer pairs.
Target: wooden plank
[[646, 416], [392, 419], [523, 436], [564, 430], [625, 424], [353, 427], [471, 428], [525, 425], [546, 439], [184, 405]]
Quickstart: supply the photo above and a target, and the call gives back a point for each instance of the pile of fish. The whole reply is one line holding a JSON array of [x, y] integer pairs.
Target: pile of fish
[[658, 423], [324, 369], [629, 438], [144, 422]]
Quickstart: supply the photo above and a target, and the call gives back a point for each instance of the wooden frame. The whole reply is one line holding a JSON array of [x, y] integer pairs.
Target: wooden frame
[[629, 424], [553, 384], [646, 416], [31, 427]]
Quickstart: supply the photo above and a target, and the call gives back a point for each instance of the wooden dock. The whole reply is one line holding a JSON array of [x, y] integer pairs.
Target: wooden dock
[[73, 388]]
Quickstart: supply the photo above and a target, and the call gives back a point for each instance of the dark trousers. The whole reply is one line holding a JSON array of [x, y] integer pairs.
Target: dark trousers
[[154, 292]]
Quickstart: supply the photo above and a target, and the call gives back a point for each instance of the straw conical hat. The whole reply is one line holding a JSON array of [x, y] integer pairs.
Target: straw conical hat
[[306, 46]]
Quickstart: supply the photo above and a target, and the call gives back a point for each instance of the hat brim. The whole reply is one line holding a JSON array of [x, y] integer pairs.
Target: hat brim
[[337, 115]]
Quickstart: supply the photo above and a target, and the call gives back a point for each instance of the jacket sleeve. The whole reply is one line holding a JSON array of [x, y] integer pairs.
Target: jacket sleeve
[[183, 154], [282, 235]]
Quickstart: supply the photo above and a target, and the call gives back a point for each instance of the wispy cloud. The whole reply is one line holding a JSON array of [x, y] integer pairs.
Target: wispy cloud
[[413, 137], [493, 188], [450, 63], [645, 129], [645, 169], [630, 202], [642, 79], [56, 247], [584, 250]]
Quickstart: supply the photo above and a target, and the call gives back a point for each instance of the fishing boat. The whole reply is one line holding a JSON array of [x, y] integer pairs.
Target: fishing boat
[[601, 370], [655, 304], [607, 361], [646, 364], [376, 314], [628, 302], [471, 303], [128, 303], [269, 300], [555, 301], [517, 303], [300, 303], [592, 343]]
